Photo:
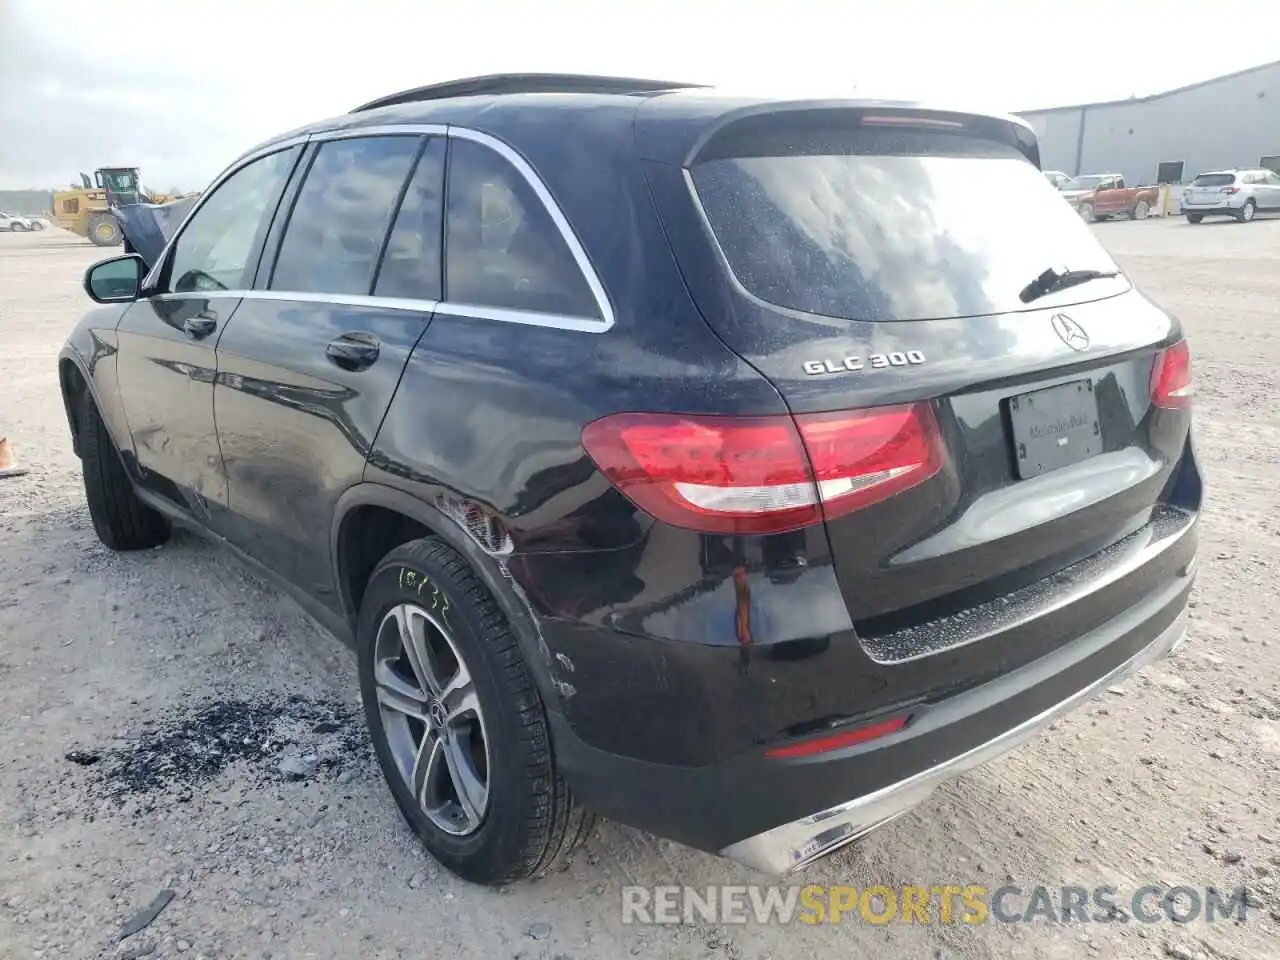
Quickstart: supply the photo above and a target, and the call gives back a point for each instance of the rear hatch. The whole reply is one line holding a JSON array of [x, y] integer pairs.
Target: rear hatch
[[1210, 189], [863, 260]]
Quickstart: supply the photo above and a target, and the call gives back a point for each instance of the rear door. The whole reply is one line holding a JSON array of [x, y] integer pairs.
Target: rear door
[[861, 267], [306, 372], [1111, 197]]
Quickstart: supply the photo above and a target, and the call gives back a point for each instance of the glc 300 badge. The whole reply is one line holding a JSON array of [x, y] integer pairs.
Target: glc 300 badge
[[874, 361]]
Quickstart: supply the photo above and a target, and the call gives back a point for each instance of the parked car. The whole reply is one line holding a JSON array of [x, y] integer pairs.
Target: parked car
[[14, 223], [1057, 178], [712, 464], [1241, 194], [1103, 196]]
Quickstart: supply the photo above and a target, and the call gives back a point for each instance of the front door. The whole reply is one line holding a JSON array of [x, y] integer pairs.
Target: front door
[[309, 367], [165, 365]]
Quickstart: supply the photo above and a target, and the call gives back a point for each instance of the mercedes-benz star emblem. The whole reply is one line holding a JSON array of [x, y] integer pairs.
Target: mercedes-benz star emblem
[[1070, 332]]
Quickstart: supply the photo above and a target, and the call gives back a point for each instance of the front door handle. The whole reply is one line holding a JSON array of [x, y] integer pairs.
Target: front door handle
[[353, 351], [200, 326]]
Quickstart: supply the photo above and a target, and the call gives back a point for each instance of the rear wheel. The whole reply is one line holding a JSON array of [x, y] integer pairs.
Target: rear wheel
[[120, 519], [458, 727], [1140, 210], [1194, 217], [1247, 212], [104, 230]]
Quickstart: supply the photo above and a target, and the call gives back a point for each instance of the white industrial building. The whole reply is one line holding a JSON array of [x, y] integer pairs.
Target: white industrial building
[[1231, 121]]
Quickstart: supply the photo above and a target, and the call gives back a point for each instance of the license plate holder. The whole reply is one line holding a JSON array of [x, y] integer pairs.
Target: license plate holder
[[1054, 427]]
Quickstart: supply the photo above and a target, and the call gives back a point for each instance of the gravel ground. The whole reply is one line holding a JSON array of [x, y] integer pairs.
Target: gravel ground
[[181, 738]]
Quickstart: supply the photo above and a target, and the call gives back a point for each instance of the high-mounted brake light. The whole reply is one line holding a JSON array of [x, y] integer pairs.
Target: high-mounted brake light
[[907, 120], [1171, 384], [745, 475]]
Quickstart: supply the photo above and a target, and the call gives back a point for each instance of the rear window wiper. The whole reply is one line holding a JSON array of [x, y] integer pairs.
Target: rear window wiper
[[1054, 279]]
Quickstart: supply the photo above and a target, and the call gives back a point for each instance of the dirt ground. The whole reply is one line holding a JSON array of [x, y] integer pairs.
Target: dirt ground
[[149, 701]]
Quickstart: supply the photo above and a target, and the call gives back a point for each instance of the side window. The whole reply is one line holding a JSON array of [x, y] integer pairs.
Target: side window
[[1273, 179], [341, 215], [217, 249], [411, 265], [502, 248]]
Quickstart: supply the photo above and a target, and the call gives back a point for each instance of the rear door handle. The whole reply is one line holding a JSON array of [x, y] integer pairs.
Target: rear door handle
[[353, 351], [200, 326]]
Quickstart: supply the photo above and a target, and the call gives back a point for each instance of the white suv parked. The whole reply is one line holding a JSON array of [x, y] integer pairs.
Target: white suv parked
[[14, 223], [1241, 194]]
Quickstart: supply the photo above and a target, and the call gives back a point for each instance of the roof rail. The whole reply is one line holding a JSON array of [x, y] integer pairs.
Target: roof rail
[[507, 83]]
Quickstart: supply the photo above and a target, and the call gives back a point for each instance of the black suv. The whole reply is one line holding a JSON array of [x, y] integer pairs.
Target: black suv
[[733, 468]]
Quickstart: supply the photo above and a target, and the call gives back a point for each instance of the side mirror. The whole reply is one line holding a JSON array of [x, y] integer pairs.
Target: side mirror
[[116, 280]]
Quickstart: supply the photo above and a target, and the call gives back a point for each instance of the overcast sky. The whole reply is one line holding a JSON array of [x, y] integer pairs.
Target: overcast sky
[[81, 86]]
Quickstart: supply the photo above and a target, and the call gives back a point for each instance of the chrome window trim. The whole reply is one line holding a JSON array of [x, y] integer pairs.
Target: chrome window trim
[[384, 130], [600, 324], [467, 311], [299, 296]]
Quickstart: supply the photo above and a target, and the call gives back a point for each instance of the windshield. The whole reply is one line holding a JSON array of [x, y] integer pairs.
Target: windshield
[[895, 237], [1214, 180]]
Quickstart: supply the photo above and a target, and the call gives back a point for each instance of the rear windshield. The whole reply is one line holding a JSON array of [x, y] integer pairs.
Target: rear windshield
[[1214, 180], [894, 225]]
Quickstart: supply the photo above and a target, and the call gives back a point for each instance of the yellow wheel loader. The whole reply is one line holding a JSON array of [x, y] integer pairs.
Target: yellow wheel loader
[[87, 210]]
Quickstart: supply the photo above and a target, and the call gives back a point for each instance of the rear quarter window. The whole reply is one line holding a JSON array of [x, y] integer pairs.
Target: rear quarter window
[[503, 249], [891, 225]]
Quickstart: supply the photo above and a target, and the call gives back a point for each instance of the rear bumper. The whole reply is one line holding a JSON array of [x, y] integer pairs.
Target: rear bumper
[[779, 814], [1224, 211], [793, 845]]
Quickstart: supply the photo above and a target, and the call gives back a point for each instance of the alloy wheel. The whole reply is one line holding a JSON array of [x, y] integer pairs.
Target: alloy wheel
[[432, 718]]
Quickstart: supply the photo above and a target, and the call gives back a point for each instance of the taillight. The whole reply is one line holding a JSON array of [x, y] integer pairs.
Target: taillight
[[744, 475], [1171, 386], [1229, 190]]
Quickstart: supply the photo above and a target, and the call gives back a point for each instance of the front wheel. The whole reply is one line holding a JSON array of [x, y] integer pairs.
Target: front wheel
[[1247, 212], [120, 519], [458, 727], [104, 230], [1194, 217], [1086, 212]]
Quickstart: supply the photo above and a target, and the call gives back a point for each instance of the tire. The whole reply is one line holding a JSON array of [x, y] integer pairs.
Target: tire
[[1247, 212], [1194, 217], [520, 818], [1140, 210], [120, 519], [1086, 212], [104, 230]]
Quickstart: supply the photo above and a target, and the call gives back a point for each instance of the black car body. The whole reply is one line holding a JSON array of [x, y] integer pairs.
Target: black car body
[[800, 478]]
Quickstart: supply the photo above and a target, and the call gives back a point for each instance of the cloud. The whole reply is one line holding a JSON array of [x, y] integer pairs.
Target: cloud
[[181, 88]]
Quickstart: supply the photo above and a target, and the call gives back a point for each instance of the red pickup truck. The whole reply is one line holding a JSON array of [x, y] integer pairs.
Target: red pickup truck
[[1101, 196]]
